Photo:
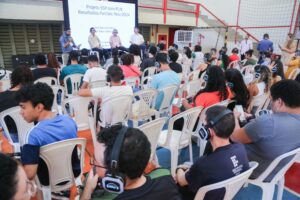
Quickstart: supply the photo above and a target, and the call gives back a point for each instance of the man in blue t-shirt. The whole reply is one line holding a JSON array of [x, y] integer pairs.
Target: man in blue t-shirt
[[165, 78], [226, 161], [74, 68], [265, 45], [36, 102]]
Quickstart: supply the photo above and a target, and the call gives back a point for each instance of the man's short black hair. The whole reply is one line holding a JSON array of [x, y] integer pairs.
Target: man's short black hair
[[93, 58], [8, 177], [288, 91], [225, 126], [74, 55], [161, 46], [21, 75], [92, 28], [173, 56], [115, 73], [153, 50], [135, 151], [40, 59], [266, 36], [198, 48], [135, 50], [162, 58], [37, 93]]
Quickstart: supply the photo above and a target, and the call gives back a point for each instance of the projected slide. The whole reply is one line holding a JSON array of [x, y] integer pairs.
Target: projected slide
[[104, 16]]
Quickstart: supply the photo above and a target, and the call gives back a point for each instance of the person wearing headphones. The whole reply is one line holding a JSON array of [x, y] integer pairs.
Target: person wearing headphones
[[114, 78], [121, 156], [42, 70], [226, 161]]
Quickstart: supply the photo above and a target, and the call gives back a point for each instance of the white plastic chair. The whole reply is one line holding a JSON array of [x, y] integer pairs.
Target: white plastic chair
[[58, 158], [133, 82], [48, 80], [152, 130], [143, 105], [232, 185], [22, 126], [95, 84], [269, 187], [76, 80], [56, 107], [258, 103], [116, 110], [193, 87], [169, 93], [175, 140], [194, 74], [249, 69], [294, 74]]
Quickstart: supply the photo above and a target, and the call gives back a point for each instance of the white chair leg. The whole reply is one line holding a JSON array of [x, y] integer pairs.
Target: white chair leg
[[174, 161], [191, 151], [46, 193], [280, 188], [202, 147], [267, 191]]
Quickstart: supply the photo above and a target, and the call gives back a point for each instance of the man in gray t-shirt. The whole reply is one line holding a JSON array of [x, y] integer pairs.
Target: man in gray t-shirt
[[270, 136]]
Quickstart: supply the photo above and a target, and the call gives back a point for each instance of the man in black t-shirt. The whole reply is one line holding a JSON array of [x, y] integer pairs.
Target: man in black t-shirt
[[149, 62], [133, 158], [226, 161], [42, 70], [176, 67]]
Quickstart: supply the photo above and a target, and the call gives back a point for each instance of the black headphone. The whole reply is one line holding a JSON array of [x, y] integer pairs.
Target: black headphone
[[2, 72], [257, 72], [114, 181], [204, 132]]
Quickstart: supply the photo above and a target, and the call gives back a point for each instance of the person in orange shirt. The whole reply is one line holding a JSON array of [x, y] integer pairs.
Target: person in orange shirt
[[214, 92]]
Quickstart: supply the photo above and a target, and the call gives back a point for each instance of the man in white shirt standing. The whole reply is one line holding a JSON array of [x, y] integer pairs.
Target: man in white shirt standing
[[138, 39], [94, 73], [245, 45], [95, 44]]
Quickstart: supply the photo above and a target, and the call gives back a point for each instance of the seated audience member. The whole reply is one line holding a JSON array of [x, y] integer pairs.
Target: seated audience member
[[74, 68], [198, 57], [128, 68], [266, 59], [276, 69], [42, 70], [20, 77], [293, 64], [249, 59], [272, 135], [214, 92], [115, 89], [165, 78], [114, 60], [262, 81], [161, 48], [226, 161], [234, 56], [186, 60], [133, 150], [136, 52], [53, 62], [84, 54], [149, 62], [238, 88], [14, 184], [176, 67], [94, 73], [36, 102]]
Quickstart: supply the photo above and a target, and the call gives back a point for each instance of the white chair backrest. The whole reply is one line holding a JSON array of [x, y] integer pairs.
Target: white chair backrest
[[48, 80], [258, 102], [22, 126], [132, 81], [118, 108], [232, 185], [181, 76], [95, 84], [294, 154], [294, 74], [152, 130], [56, 90], [145, 80], [169, 93], [77, 108], [249, 69], [190, 117], [144, 99], [76, 80], [193, 87], [195, 74], [151, 71], [234, 64], [58, 158]]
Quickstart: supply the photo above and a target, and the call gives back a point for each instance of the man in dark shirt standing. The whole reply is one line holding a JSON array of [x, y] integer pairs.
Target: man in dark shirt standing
[[226, 161], [42, 70], [176, 67]]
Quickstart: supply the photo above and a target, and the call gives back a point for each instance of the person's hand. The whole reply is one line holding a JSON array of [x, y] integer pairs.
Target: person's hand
[[236, 114], [185, 102], [91, 182]]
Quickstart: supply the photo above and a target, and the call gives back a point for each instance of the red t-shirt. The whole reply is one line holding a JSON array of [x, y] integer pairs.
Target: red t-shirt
[[130, 71], [207, 99], [234, 57]]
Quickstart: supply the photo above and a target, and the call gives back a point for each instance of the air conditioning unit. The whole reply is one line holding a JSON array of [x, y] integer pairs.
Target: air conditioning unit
[[183, 38]]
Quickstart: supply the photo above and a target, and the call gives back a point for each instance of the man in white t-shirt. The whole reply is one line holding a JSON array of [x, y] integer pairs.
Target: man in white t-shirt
[[138, 39], [115, 89], [245, 46], [94, 73]]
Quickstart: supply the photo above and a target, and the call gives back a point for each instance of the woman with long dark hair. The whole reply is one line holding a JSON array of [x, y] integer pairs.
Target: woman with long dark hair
[[214, 92], [238, 87]]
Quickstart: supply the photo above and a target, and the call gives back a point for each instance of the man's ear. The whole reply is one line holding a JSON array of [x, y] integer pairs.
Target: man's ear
[[39, 107], [280, 102], [212, 132]]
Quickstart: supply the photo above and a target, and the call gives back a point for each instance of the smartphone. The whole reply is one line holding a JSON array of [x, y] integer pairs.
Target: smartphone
[[240, 109]]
